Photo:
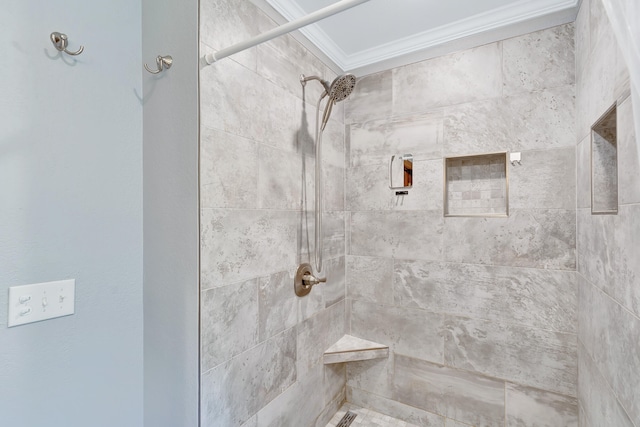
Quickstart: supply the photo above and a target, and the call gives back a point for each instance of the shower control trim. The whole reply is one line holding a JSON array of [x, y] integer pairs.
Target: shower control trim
[[305, 280]]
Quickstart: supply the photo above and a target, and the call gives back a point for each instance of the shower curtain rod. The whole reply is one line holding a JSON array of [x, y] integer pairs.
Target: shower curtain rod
[[330, 10]]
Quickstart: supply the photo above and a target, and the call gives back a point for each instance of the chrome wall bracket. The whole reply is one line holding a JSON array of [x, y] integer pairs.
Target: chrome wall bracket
[[305, 280]]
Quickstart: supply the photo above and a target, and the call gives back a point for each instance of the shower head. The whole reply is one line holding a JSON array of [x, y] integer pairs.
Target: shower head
[[342, 87], [337, 91]]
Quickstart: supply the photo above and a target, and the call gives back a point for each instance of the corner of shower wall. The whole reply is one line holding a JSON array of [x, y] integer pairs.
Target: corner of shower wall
[[261, 346], [608, 270]]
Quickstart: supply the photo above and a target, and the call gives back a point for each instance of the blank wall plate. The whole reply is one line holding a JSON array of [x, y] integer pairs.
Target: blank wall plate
[[41, 301]]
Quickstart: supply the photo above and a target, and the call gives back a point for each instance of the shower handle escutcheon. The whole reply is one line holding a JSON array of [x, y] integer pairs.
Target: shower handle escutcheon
[[305, 280]]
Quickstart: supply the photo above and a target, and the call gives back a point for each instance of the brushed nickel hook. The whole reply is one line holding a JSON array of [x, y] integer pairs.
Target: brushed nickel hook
[[162, 63], [60, 42]]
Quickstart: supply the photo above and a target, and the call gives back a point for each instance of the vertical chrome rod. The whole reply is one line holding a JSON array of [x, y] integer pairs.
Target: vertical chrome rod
[[337, 7]]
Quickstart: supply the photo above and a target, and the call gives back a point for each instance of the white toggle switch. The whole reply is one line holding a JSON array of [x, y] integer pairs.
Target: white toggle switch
[[32, 303]]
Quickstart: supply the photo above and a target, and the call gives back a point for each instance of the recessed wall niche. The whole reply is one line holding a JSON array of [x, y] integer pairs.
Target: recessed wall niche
[[604, 164], [476, 185]]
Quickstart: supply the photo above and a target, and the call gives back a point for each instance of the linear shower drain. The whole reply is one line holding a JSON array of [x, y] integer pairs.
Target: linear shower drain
[[347, 419]]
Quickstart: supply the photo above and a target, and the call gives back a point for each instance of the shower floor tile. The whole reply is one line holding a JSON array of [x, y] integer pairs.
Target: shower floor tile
[[367, 418]]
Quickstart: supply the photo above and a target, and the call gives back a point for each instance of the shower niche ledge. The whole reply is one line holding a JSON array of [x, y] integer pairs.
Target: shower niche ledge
[[352, 349]]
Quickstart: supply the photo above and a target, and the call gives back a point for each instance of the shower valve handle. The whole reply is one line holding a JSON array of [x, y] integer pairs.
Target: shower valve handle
[[305, 280], [311, 280]]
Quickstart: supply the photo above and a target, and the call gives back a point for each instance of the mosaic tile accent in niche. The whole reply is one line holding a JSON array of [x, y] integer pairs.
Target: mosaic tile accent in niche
[[476, 185]]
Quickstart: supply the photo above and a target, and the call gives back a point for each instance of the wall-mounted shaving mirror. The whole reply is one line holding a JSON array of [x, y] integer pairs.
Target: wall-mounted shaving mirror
[[604, 164], [401, 171]]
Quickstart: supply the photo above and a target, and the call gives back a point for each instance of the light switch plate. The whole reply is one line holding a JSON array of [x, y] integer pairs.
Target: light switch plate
[[41, 301]]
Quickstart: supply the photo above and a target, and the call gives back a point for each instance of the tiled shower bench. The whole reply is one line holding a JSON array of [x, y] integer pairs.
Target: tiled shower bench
[[352, 349]]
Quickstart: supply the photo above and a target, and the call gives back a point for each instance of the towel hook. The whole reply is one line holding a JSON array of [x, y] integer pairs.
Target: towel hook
[[60, 41], [162, 63]]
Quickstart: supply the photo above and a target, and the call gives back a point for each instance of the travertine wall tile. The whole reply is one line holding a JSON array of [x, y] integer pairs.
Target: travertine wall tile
[[317, 334], [371, 99], [228, 162], [546, 179], [253, 422], [516, 95], [529, 407], [529, 121], [600, 406], [369, 278], [540, 60], [544, 299], [235, 390], [333, 228], [279, 187], [399, 410], [376, 375], [333, 144], [604, 79], [583, 179], [628, 159], [455, 394], [225, 22], [533, 357], [465, 76], [283, 59], [368, 188], [294, 407], [611, 340], [598, 22], [230, 314], [239, 106], [257, 194], [609, 253], [412, 332], [333, 184], [453, 423], [374, 142], [528, 238], [278, 306], [397, 234], [334, 289], [238, 245], [582, 36]]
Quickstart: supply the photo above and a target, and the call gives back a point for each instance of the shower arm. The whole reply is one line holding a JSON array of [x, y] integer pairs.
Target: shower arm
[[304, 79], [330, 10]]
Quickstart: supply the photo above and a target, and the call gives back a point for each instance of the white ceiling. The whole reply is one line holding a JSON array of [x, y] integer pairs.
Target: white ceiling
[[382, 34]]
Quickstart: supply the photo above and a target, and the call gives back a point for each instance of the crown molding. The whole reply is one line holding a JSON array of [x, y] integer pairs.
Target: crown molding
[[552, 12]]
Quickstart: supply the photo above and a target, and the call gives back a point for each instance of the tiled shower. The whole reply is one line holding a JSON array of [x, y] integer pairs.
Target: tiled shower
[[530, 319]]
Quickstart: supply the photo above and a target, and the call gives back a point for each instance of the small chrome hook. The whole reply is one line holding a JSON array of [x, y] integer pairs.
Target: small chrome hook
[[162, 63], [60, 41]]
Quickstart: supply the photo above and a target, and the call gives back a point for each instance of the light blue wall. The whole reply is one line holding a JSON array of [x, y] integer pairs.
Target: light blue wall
[[171, 236], [71, 207]]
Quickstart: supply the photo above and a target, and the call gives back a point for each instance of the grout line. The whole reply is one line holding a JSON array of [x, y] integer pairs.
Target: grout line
[[616, 302]]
